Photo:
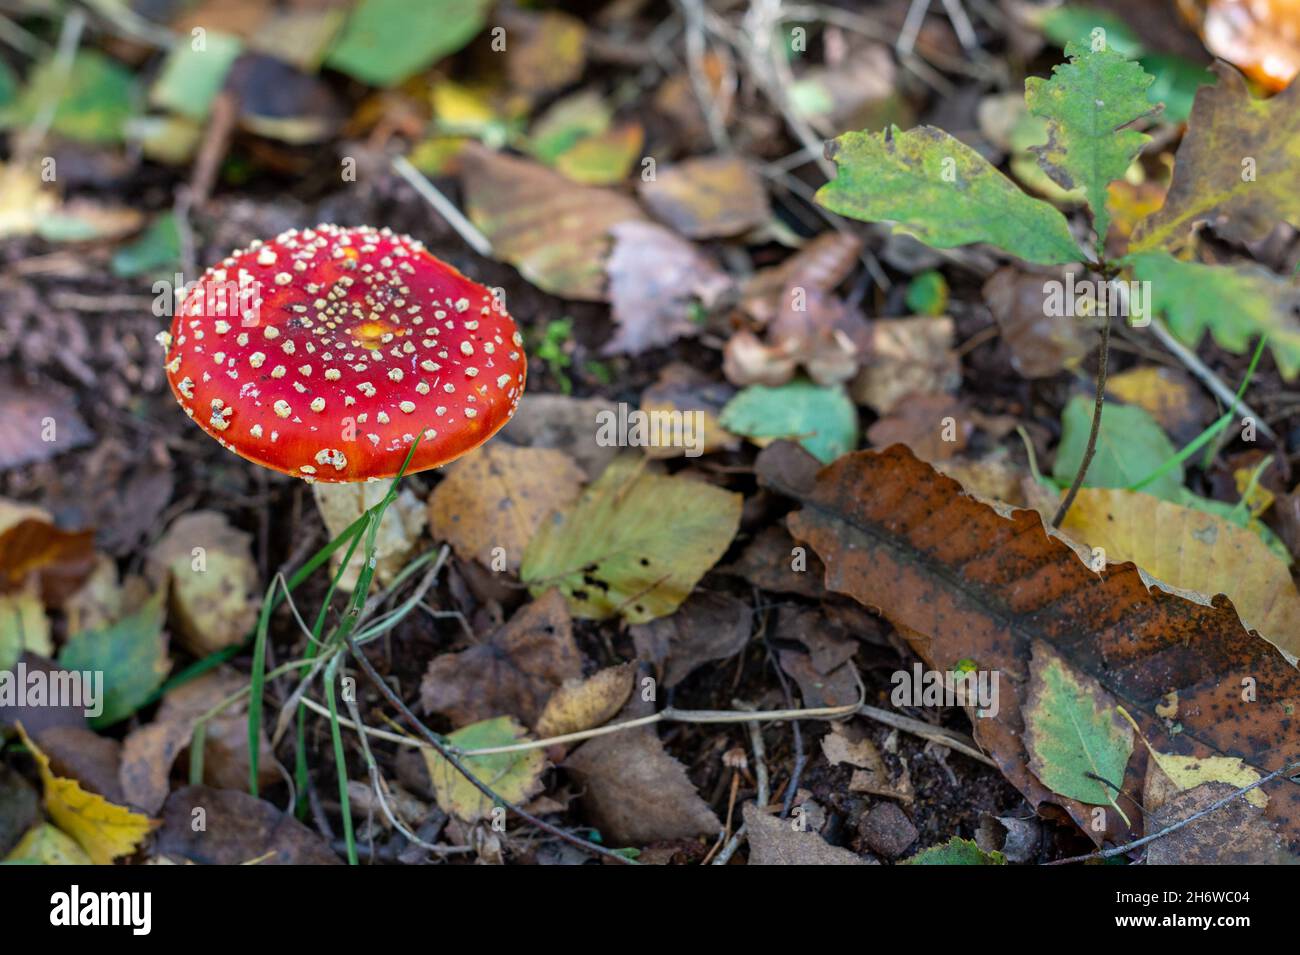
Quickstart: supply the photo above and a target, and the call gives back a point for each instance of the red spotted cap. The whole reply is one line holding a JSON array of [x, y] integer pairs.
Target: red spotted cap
[[323, 353]]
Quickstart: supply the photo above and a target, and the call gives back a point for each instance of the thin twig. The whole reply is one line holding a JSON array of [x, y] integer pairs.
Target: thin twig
[[443, 206], [1093, 431]]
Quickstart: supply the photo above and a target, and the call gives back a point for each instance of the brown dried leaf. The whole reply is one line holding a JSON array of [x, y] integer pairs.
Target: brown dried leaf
[[963, 582], [495, 498], [655, 276], [514, 672], [708, 198], [37, 423], [578, 706], [1041, 345], [906, 355], [709, 626], [774, 841], [821, 263], [238, 829]]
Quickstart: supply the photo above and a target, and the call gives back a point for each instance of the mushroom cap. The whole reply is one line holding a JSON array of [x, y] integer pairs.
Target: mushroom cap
[[324, 352]]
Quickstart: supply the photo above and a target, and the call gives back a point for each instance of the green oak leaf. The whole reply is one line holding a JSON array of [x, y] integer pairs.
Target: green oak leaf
[[1130, 446], [1235, 303], [943, 192], [956, 851], [1073, 733], [1087, 103]]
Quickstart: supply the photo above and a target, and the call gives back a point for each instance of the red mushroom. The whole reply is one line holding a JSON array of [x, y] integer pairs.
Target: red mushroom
[[323, 353]]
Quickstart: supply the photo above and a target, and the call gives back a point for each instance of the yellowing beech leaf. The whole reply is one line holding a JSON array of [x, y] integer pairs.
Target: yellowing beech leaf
[[105, 830], [634, 544], [943, 192], [1193, 550], [1236, 167]]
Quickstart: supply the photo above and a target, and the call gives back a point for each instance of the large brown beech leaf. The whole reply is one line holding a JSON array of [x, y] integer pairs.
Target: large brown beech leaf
[[963, 582]]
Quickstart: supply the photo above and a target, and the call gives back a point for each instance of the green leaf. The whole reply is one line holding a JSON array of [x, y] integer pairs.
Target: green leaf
[[132, 656], [1086, 103], [1236, 304], [94, 102], [634, 544], [943, 192], [1130, 445], [1176, 81], [1072, 732], [927, 294], [387, 41], [158, 250], [822, 419], [190, 78], [956, 851], [513, 776]]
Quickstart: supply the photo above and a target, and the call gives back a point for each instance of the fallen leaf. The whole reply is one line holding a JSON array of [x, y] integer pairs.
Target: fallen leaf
[[822, 419], [399, 530], [836, 686], [812, 329], [513, 672], [563, 423], [655, 279], [1210, 183], [1261, 38], [935, 427], [553, 230], [46, 845], [1235, 834], [1193, 550], [906, 355], [546, 51], [385, 41], [956, 851], [37, 423], [581, 705], [1077, 741], [684, 390], [820, 264], [515, 777], [1167, 394], [104, 830], [707, 198], [708, 627], [31, 544], [228, 827], [131, 655], [962, 582], [214, 597], [491, 502], [19, 808], [613, 553], [1130, 447], [23, 626], [775, 841], [604, 158], [1041, 345], [91, 760], [636, 793]]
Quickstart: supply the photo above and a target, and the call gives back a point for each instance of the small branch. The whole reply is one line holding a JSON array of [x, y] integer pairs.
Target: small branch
[[1092, 433], [443, 206]]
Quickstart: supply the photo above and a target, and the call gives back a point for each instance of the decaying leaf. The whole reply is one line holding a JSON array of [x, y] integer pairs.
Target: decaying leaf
[[1169, 395], [684, 390], [636, 793], [104, 830], [708, 627], [548, 54], [1233, 168], [655, 279], [514, 671], [553, 230], [399, 530], [31, 544], [708, 198], [905, 356], [238, 829], [775, 841], [822, 419], [580, 705], [46, 845], [962, 582], [613, 553], [1235, 834], [1193, 550], [1041, 344], [512, 776], [213, 580], [37, 423], [821, 264], [492, 501]]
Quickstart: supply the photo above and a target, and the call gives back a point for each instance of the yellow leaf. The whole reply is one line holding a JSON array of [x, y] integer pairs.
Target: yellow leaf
[[48, 846], [1188, 772], [105, 830], [1193, 550]]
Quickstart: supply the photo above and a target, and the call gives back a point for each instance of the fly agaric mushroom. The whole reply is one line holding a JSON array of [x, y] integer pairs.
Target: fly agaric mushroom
[[323, 353]]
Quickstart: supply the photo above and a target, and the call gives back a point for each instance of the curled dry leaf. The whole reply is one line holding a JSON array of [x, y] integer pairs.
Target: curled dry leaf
[[514, 671], [1193, 550], [1235, 834], [813, 329], [906, 355], [708, 198], [213, 580], [655, 279], [963, 582], [31, 544], [492, 500], [553, 230], [581, 705], [820, 264], [402, 524], [684, 390]]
